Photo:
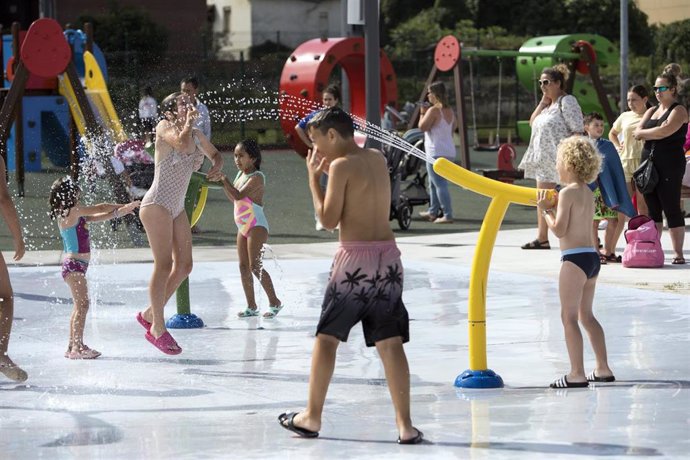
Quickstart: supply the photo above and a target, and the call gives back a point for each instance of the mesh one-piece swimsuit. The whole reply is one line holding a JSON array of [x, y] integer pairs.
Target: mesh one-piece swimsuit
[[171, 178], [247, 213]]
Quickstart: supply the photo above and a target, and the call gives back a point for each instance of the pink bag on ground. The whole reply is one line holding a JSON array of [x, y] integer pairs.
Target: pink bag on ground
[[643, 248]]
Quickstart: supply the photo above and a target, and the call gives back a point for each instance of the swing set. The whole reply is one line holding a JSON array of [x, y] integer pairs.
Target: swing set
[[493, 144], [582, 53]]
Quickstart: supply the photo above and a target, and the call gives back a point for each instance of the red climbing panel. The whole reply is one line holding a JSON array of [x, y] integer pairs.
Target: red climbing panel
[[45, 51], [306, 74], [447, 53]]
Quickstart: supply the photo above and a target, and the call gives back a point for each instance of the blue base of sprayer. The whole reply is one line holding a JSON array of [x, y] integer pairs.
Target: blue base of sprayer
[[479, 379], [190, 321]]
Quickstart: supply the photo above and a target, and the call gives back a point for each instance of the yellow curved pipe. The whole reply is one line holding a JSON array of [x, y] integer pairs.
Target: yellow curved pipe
[[200, 205], [483, 185], [501, 194]]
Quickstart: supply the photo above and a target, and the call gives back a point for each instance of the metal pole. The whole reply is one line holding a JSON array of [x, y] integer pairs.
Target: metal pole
[[624, 55], [242, 126], [372, 66], [46, 9], [18, 118], [344, 83]]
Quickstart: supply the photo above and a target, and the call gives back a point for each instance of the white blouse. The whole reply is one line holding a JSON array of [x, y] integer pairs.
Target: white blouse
[[559, 120]]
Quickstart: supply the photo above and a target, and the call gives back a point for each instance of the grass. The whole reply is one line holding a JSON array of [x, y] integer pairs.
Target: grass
[[288, 208]]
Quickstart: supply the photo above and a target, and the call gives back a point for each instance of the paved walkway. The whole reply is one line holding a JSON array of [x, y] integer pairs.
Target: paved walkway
[[221, 397], [507, 257]]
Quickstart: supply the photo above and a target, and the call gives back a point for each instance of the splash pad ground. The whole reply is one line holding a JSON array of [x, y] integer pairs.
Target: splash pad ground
[[221, 397]]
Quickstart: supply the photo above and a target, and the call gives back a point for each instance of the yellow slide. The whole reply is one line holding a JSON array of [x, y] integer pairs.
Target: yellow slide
[[66, 91], [97, 90], [99, 97]]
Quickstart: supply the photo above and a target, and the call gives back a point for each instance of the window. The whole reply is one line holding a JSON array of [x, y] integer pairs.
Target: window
[[227, 14]]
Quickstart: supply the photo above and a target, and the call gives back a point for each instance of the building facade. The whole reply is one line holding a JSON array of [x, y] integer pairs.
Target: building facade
[[239, 25], [664, 11]]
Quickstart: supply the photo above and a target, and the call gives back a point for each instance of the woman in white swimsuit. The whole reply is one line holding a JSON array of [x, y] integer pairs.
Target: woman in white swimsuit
[[180, 150]]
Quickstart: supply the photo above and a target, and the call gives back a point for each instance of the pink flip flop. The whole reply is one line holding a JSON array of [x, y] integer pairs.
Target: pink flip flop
[[145, 324], [164, 343]]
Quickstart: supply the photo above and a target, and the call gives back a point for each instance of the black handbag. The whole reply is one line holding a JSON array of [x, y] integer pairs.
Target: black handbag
[[646, 176]]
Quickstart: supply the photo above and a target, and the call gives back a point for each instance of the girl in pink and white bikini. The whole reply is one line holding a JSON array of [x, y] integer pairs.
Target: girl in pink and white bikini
[[247, 193], [72, 219], [180, 150]]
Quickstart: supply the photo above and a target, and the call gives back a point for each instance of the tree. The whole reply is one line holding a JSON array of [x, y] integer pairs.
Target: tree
[[396, 12], [672, 43], [603, 18], [128, 36], [418, 33]]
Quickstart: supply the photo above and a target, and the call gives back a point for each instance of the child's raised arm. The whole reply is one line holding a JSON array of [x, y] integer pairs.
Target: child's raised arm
[[105, 211], [9, 213], [328, 206], [180, 140], [211, 153]]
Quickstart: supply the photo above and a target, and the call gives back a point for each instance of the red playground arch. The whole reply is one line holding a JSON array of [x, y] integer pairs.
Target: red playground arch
[[306, 73]]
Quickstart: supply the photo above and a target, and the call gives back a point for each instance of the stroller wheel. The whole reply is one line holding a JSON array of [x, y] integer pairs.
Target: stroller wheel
[[405, 215]]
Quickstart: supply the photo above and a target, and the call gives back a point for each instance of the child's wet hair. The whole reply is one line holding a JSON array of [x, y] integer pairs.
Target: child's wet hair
[[64, 195], [252, 148], [577, 154], [333, 118]]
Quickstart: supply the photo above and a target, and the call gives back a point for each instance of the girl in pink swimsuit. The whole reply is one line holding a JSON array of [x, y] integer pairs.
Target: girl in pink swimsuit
[[247, 194], [180, 150], [72, 219]]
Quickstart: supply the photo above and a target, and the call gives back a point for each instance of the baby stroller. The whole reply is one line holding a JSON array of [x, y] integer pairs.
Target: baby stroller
[[401, 209], [138, 164], [139, 168], [413, 171]]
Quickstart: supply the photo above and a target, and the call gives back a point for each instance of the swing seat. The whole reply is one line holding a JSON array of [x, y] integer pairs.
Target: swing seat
[[486, 148], [505, 171]]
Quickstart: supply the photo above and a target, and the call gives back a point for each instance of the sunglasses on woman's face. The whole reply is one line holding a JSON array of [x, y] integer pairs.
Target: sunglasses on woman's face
[[660, 89], [544, 82]]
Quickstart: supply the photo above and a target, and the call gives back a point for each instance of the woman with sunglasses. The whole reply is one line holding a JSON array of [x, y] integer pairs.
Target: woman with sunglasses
[[663, 129], [557, 116]]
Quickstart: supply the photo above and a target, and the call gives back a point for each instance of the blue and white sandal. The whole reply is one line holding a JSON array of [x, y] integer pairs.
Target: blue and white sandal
[[273, 311], [248, 313]]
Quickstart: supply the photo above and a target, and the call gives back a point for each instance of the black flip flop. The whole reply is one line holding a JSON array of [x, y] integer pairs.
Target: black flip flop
[[594, 378], [563, 383], [416, 440], [287, 421]]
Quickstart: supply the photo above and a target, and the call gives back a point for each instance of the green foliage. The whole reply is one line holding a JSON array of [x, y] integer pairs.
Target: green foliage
[[492, 37], [603, 18], [128, 36], [417, 34], [533, 18], [395, 12], [422, 32], [673, 42]]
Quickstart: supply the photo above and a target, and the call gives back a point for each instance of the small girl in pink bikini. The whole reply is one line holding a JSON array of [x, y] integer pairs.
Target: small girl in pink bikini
[[247, 193], [72, 218]]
